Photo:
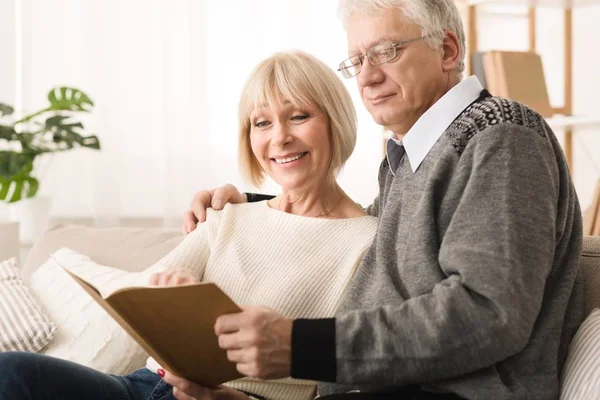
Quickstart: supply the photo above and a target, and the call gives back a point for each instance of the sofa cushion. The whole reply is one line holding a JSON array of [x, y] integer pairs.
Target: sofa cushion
[[23, 324], [581, 377], [86, 333], [590, 272], [130, 249]]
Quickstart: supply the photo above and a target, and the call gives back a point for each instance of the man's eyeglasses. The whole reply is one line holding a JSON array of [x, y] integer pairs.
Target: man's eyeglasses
[[379, 54]]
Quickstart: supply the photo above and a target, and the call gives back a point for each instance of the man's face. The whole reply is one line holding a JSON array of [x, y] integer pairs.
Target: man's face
[[398, 92]]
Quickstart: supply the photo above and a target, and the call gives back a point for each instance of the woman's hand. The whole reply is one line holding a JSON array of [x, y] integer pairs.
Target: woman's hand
[[216, 198], [258, 340], [173, 277], [186, 390]]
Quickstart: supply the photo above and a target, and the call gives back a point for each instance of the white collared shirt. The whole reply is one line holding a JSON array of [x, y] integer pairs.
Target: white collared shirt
[[421, 137]]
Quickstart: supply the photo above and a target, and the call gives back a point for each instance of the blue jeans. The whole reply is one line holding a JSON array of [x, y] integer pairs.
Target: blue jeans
[[30, 376]]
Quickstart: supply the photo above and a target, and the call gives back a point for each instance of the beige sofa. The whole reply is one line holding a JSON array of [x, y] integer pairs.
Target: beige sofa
[[590, 272], [130, 249], [134, 249]]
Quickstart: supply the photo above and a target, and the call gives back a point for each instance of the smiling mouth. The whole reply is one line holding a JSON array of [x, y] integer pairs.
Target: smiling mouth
[[289, 159]]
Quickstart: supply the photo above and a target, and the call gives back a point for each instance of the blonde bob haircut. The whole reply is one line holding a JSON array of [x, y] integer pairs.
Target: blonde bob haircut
[[300, 79]]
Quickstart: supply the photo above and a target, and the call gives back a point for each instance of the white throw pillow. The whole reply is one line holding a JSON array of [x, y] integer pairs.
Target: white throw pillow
[[86, 333], [581, 374], [23, 324]]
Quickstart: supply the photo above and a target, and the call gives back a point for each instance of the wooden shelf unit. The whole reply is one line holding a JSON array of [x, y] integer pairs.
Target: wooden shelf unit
[[565, 119], [564, 4]]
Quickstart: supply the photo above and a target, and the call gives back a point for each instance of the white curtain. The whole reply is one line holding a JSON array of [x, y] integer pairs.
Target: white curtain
[[165, 77]]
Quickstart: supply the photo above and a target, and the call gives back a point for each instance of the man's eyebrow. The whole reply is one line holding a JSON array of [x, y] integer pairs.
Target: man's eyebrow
[[372, 43]]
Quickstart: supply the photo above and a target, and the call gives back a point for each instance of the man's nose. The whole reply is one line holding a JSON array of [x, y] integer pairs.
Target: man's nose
[[369, 74]]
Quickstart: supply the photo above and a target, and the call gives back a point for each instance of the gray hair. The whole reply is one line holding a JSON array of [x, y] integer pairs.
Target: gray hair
[[433, 16]]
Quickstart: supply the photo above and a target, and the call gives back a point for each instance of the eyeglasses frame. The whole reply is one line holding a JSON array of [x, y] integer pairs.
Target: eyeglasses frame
[[361, 57]]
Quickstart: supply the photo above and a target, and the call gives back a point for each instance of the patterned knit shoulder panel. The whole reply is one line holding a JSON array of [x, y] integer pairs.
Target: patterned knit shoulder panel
[[491, 111]]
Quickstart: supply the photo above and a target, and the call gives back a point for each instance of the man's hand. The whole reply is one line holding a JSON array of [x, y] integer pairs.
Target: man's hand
[[216, 198], [186, 390], [173, 277], [258, 340]]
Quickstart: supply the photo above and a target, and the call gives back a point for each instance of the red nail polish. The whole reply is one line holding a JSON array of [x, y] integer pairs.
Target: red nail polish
[[161, 372]]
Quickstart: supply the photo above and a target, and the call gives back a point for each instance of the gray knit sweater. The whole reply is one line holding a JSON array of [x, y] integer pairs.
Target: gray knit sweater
[[470, 284]]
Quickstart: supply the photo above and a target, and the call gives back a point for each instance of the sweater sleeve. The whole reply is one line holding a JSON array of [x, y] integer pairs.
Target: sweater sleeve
[[496, 254], [194, 250]]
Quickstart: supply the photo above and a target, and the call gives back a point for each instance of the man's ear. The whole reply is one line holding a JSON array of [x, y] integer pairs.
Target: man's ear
[[451, 51]]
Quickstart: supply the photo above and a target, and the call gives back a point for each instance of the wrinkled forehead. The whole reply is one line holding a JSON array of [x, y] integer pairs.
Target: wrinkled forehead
[[366, 30]]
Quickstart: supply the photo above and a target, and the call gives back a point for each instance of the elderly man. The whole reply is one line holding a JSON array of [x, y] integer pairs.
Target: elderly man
[[468, 290]]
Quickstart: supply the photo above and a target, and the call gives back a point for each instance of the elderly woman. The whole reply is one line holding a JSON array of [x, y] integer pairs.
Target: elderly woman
[[295, 253]]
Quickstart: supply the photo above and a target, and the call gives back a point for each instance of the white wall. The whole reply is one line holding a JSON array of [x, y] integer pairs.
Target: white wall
[[165, 116], [586, 100], [166, 79], [7, 65], [7, 51]]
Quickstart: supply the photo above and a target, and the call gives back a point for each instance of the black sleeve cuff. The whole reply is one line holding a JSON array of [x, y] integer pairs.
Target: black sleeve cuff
[[313, 349], [255, 197]]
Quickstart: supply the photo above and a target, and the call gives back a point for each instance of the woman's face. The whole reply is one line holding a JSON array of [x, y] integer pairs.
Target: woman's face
[[292, 144]]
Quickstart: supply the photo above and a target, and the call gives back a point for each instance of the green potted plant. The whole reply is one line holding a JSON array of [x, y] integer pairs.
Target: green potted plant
[[52, 129]]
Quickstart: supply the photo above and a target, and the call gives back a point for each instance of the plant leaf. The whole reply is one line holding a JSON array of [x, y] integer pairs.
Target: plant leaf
[[15, 164], [63, 99], [4, 186], [68, 98], [25, 138], [33, 184], [7, 132], [23, 187], [67, 132], [22, 183], [91, 142], [17, 193], [5, 109], [63, 131]]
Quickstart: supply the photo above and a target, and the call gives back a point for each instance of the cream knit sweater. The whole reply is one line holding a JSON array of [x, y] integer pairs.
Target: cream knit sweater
[[297, 266]]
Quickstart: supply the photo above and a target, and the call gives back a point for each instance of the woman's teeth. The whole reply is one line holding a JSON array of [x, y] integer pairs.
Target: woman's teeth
[[290, 159]]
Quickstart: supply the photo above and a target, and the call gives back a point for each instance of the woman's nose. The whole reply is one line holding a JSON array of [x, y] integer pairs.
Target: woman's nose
[[281, 135]]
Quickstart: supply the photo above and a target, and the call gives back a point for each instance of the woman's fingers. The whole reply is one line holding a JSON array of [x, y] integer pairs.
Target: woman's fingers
[[226, 194], [161, 278], [189, 222], [186, 390], [153, 280], [181, 277], [215, 198], [173, 277], [178, 279]]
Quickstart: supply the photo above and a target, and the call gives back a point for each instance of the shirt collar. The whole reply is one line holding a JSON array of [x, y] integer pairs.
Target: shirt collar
[[421, 137]]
